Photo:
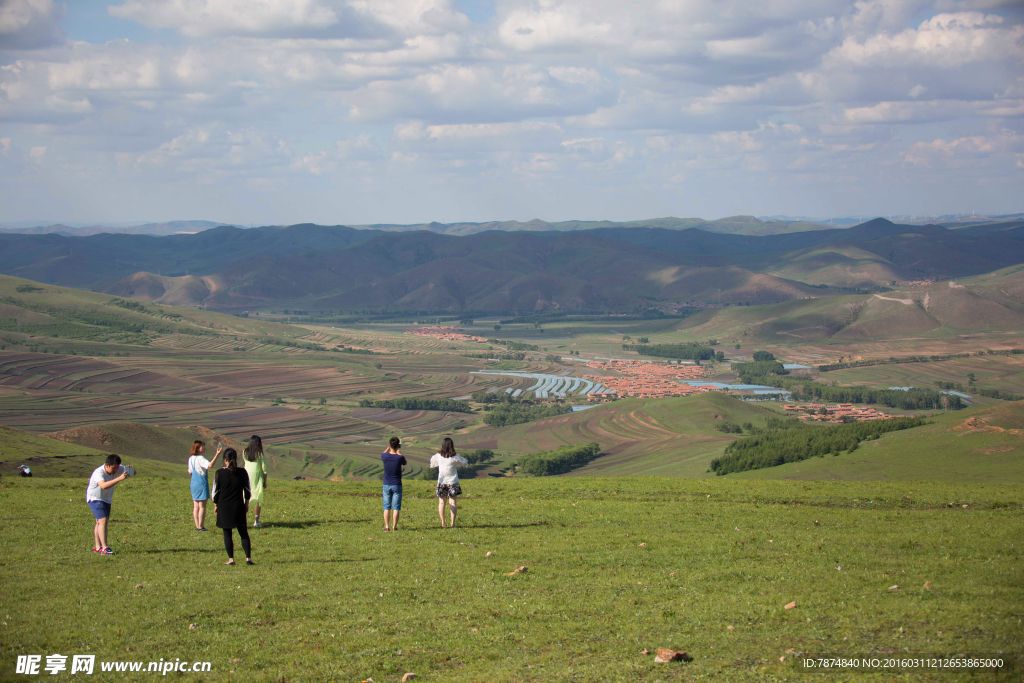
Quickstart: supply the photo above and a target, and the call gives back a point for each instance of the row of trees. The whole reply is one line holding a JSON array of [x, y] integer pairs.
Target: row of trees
[[794, 441], [680, 351], [517, 413], [893, 360], [558, 461], [759, 368], [487, 398], [450, 405], [807, 390]]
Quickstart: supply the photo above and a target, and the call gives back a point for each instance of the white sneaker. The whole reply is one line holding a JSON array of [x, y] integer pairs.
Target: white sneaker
[[256, 525]]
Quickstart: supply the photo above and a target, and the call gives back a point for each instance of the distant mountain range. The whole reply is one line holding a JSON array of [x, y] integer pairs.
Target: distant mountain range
[[731, 225], [340, 268], [744, 225], [169, 228], [736, 225]]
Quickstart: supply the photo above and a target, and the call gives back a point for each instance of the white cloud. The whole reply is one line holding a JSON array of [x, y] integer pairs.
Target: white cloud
[[999, 151], [468, 131], [5, 146], [594, 104], [944, 41], [29, 23], [228, 17], [291, 18]]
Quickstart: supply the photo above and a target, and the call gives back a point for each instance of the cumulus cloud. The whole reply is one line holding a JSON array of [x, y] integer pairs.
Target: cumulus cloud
[[291, 18], [587, 101], [29, 24]]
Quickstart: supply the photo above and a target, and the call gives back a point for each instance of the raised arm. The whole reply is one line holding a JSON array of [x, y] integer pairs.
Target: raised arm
[[107, 484]]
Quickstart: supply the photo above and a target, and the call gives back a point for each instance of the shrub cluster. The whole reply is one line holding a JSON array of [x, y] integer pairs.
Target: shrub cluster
[[794, 441], [915, 399], [513, 414], [681, 351], [447, 404], [760, 367], [560, 460]]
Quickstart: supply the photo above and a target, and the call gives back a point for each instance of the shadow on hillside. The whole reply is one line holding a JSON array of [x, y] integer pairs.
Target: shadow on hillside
[[161, 551]]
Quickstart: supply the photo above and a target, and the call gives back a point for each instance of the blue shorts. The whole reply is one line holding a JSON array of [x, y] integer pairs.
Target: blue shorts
[[99, 508], [392, 496]]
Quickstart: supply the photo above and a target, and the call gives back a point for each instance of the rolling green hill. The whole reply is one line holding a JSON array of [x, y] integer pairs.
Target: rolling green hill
[[937, 310], [49, 457], [42, 310], [136, 440], [982, 445], [666, 437]]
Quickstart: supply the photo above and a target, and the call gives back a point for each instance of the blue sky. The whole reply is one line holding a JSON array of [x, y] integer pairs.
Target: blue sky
[[364, 111]]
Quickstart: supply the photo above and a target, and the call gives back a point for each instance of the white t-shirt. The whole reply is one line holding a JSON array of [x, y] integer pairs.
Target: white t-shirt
[[447, 468], [94, 492], [197, 463]]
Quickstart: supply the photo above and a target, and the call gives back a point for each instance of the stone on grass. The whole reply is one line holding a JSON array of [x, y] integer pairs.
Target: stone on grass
[[666, 655], [894, 588], [791, 605], [408, 677], [517, 570]]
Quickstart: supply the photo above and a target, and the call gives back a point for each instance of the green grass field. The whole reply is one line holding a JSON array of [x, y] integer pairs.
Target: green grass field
[[615, 566]]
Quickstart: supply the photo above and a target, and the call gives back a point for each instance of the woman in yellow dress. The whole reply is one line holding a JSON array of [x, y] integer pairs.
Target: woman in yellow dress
[[256, 466]]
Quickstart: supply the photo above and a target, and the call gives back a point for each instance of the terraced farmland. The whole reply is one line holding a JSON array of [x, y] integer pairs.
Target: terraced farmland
[[416, 421], [669, 437], [51, 412]]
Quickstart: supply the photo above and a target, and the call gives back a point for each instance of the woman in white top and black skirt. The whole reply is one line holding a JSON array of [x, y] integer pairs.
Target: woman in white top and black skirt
[[447, 463]]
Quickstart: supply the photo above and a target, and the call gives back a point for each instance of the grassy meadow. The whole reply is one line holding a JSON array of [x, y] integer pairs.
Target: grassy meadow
[[614, 567]]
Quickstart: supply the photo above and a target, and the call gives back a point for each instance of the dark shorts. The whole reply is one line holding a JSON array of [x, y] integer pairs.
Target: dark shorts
[[449, 490], [99, 508]]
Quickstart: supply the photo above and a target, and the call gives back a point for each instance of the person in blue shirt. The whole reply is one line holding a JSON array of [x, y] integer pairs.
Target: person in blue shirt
[[393, 462]]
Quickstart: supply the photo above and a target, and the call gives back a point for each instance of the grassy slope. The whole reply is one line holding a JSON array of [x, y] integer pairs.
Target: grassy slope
[[68, 297], [1005, 373], [136, 440], [949, 312], [941, 451], [52, 458], [332, 598], [669, 437]]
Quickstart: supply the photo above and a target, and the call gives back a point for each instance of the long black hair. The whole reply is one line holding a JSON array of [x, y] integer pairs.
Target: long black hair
[[231, 459], [448, 447], [254, 449]]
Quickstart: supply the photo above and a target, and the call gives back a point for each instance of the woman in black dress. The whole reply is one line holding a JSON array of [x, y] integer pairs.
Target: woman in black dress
[[231, 504]]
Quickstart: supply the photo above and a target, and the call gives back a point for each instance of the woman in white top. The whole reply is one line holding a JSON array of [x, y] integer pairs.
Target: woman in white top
[[199, 485], [447, 463]]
